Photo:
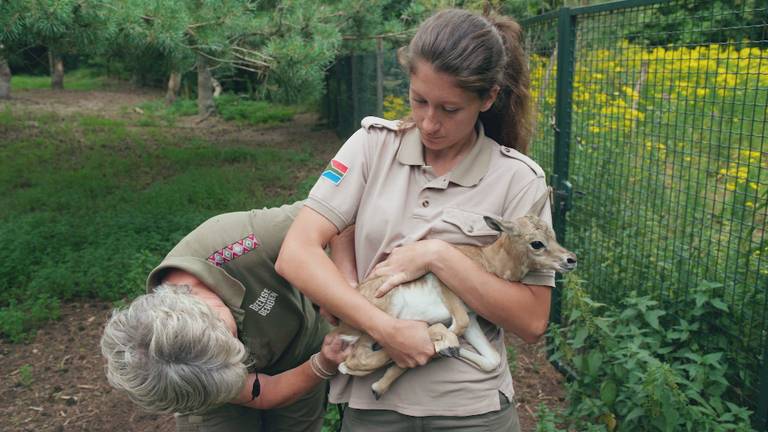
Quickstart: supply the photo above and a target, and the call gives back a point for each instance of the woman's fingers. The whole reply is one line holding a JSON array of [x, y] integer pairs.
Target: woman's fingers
[[391, 283]]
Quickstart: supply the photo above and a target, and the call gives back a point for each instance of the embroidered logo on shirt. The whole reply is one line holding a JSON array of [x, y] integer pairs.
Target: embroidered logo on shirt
[[335, 171], [263, 304], [234, 250]]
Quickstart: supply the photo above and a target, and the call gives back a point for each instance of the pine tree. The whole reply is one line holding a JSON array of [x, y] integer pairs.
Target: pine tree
[[63, 26], [10, 39]]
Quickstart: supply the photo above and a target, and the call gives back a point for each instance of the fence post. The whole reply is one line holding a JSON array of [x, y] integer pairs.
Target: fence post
[[379, 77], [759, 420], [566, 40]]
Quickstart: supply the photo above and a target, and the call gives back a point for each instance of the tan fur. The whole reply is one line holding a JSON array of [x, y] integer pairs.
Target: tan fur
[[510, 257]]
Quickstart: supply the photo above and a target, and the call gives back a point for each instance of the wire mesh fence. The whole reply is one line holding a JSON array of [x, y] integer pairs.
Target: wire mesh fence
[[666, 153], [652, 129]]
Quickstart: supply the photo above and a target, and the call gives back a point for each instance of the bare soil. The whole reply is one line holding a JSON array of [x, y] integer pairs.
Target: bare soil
[[56, 382]]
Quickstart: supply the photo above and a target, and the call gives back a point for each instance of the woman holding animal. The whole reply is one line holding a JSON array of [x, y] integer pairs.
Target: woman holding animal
[[413, 189]]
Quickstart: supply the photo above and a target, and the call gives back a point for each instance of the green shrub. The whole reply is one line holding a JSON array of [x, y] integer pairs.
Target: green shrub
[[158, 110], [641, 366], [332, 420], [235, 108], [17, 319], [25, 375]]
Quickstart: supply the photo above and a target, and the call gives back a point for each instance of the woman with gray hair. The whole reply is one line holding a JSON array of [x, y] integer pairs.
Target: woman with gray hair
[[220, 338]]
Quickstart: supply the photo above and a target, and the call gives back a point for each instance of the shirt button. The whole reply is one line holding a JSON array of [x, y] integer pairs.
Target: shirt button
[[506, 150], [425, 203], [470, 229]]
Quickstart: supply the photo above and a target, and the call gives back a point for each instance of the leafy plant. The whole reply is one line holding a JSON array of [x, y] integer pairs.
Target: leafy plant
[[332, 420], [25, 375], [642, 366]]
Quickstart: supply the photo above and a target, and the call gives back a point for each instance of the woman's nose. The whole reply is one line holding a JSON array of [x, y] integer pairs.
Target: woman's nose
[[430, 124]]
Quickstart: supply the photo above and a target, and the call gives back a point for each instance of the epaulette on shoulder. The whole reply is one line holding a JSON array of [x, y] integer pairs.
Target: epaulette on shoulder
[[372, 121], [514, 154]]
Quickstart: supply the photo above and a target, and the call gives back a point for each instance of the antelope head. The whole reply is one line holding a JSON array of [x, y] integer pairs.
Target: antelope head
[[530, 243]]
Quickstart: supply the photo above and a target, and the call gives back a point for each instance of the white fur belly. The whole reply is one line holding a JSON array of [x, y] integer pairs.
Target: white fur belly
[[420, 300]]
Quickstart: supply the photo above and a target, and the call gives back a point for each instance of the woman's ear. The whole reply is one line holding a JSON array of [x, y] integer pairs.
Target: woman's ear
[[488, 102]]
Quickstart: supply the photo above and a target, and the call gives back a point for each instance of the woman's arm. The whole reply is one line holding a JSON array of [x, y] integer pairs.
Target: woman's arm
[[285, 388], [517, 307], [343, 256], [303, 262]]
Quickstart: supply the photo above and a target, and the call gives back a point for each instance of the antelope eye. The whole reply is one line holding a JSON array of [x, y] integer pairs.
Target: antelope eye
[[537, 245]]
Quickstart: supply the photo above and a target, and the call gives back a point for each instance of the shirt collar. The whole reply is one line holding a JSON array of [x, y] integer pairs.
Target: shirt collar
[[470, 169]]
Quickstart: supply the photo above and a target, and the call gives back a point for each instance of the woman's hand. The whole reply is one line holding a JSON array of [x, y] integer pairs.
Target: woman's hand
[[407, 342], [333, 352], [406, 263]]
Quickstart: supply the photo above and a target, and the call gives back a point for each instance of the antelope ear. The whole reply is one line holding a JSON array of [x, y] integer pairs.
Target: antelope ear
[[493, 223], [538, 206]]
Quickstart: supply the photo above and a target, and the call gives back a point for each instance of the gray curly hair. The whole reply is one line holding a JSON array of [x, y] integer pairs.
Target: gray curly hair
[[171, 353]]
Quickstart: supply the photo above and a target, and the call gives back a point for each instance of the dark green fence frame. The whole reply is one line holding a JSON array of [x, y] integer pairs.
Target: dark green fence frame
[[653, 132]]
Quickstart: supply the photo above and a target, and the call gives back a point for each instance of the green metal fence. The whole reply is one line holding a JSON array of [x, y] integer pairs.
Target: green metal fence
[[657, 112], [652, 129], [362, 85]]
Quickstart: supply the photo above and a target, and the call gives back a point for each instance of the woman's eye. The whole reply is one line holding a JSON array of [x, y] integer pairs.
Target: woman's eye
[[450, 109], [419, 101]]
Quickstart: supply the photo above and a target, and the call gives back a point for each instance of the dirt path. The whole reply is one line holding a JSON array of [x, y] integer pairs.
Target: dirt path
[[57, 383]]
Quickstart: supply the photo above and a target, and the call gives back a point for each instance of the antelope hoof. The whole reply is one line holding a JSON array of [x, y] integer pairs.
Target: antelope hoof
[[378, 389], [449, 352]]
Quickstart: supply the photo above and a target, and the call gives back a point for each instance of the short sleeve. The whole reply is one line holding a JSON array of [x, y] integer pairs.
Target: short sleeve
[[337, 193], [519, 206]]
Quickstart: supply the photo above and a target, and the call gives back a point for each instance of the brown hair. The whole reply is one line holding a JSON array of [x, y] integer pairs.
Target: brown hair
[[480, 52]]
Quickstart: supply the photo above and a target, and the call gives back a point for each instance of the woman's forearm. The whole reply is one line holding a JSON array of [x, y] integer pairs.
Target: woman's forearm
[[304, 263], [281, 389]]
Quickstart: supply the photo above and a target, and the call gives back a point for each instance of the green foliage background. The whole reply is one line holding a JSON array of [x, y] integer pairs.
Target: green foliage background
[[89, 204]]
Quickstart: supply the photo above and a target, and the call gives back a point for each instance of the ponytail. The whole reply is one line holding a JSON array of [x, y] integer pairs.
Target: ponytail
[[510, 120]]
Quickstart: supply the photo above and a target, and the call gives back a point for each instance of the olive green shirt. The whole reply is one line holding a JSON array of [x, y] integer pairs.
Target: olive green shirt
[[234, 255]]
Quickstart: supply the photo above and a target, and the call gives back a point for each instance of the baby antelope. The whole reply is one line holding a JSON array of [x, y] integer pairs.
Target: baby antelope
[[525, 243]]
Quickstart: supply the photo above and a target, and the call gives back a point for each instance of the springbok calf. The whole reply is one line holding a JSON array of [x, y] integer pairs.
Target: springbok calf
[[526, 243]]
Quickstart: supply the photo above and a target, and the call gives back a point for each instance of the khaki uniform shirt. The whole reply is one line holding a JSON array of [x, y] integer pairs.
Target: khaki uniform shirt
[[379, 181], [234, 255]]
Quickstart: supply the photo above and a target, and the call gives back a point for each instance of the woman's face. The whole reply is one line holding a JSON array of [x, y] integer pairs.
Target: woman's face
[[444, 113]]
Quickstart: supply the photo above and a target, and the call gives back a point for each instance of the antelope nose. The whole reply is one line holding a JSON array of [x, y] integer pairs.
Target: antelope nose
[[570, 263]]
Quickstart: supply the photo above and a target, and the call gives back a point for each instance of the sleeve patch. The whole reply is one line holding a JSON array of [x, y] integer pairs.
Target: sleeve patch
[[335, 172], [234, 250]]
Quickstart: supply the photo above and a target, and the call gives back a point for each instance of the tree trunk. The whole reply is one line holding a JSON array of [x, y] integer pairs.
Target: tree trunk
[[57, 70], [174, 84], [5, 79], [217, 88], [205, 105]]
